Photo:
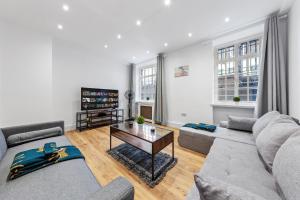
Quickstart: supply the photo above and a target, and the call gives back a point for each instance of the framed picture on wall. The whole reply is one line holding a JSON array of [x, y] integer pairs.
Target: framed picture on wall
[[182, 71]]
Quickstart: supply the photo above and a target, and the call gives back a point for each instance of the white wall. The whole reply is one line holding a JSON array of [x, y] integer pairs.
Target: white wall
[[189, 98], [75, 67], [26, 76], [294, 59], [41, 77]]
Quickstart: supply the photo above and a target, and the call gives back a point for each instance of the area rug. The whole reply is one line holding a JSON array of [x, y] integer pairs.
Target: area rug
[[139, 162]]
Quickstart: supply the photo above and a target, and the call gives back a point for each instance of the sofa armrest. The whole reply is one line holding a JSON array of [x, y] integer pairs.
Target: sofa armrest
[[118, 189], [33, 127], [223, 124]]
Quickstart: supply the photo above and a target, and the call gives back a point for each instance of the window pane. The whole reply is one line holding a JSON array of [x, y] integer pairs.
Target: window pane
[[221, 98], [243, 49], [221, 92]]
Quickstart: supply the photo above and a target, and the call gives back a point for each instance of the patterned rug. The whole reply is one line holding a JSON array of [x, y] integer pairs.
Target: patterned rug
[[139, 162]]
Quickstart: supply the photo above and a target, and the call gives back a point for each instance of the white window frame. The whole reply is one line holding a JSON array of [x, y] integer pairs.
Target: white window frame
[[139, 68], [236, 59]]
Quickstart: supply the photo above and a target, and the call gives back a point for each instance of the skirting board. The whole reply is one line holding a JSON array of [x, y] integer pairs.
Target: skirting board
[[72, 127], [175, 124]]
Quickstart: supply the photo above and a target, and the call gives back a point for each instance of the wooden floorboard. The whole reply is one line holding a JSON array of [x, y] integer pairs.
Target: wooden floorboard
[[178, 181]]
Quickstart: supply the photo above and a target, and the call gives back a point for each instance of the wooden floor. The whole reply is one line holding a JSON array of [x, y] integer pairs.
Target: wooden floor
[[178, 181]]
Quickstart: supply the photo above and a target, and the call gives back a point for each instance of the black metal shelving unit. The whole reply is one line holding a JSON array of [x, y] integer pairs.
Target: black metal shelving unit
[[97, 118], [99, 108]]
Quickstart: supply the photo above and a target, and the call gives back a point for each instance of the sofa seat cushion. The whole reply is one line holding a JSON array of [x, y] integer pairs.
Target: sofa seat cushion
[[214, 189], [273, 136], [239, 165], [66, 180], [286, 168]]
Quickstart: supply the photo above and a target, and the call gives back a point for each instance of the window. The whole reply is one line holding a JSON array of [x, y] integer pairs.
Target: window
[[147, 82], [238, 71]]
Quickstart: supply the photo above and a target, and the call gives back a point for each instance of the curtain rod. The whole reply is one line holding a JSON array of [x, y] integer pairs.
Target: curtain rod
[[283, 16]]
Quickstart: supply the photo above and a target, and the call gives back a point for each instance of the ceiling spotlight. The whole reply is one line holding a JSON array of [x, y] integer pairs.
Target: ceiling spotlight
[[138, 22], [190, 34], [227, 19], [148, 52], [167, 2], [60, 27], [166, 44], [119, 36], [105, 46], [66, 7]]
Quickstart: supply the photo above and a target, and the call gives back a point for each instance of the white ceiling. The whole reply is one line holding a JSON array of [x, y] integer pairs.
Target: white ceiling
[[93, 23]]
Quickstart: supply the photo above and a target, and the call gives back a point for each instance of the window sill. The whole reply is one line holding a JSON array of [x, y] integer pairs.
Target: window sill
[[145, 102], [234, 105]]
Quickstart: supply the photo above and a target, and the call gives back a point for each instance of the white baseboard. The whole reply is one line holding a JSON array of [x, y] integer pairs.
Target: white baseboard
[[70, 127], [175, 124]]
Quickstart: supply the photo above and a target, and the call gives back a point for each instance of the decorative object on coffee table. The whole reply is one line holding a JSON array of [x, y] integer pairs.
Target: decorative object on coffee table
[[151, 163], [140, 120]]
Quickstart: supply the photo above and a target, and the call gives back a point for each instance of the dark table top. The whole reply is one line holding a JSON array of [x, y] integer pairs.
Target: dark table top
[[143, 131]]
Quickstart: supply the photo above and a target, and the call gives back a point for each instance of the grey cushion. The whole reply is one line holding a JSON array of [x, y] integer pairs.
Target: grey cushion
[[263, 121], [215, 189], [70, 180], [273, 136], [241, 123], [118, 189], [3, 145], [21, 138], [239, 164], [193, 193], [286, 167]]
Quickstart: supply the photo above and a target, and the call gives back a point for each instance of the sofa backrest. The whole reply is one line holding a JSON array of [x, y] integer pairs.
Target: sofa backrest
[[263, 121], [271, 138], [32, 127], [3, 145], [286, 168]]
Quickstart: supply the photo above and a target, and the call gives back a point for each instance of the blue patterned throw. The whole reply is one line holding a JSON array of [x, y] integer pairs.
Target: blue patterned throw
[[34, 159], [201, 126]]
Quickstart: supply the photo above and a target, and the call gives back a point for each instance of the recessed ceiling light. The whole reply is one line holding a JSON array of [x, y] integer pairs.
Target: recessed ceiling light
[[167, 2], [138, 22], [190, 34], [105, 46], [166, 44], [60, 27], [148, 52], [66, 7], [119, 36], [227, 19]]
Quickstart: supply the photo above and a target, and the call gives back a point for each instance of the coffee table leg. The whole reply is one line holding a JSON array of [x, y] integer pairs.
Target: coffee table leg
[[152, 167], [173, 150], [110, 141]]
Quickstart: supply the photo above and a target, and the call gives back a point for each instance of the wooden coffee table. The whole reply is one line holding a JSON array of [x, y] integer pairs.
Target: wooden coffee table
[[141, 137]]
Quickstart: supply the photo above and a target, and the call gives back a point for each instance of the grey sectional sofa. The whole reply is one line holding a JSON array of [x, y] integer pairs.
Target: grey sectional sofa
[[259, 165], [66, 180]]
